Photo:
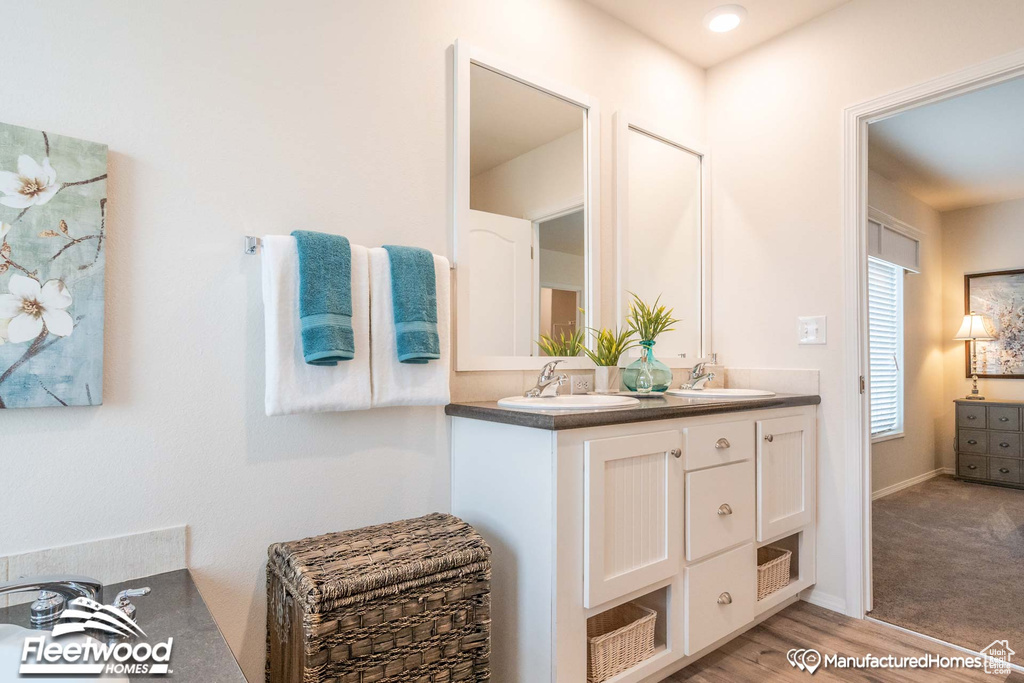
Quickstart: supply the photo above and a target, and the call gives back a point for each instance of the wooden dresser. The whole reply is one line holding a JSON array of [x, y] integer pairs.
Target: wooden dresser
[[989, 442]]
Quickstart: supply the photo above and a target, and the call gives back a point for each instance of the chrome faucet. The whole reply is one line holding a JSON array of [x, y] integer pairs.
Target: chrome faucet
[[548, 382], [698, 377], [54, 593]]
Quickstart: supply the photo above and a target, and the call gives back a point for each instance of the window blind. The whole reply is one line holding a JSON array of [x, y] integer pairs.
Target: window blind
[[885, 326]]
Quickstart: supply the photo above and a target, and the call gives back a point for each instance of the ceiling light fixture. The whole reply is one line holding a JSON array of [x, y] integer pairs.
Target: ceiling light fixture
[[724, 18]]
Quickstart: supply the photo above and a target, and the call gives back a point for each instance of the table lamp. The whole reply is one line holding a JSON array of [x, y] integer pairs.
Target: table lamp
[[976, 327]]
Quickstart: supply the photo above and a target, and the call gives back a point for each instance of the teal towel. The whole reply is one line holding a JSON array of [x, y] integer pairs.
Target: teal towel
[[325, 297], [414, 296]]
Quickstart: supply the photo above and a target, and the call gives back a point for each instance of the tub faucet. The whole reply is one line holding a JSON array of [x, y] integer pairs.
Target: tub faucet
[[54, 593], [698, 377], [548, 382]]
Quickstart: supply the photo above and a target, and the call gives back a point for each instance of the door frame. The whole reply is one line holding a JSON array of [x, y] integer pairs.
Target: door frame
[[857, 437]]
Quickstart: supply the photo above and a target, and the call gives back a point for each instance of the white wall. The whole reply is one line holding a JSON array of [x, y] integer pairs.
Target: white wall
[[977, 239], [247, 117], [916, 453], [775, 130]]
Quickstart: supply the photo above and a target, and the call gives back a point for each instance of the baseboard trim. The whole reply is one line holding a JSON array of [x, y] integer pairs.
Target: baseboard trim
[[889, 490], [826, 600]]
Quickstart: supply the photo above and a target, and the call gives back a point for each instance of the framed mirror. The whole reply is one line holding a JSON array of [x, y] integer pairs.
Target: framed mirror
[[524, 235], [661, 200]]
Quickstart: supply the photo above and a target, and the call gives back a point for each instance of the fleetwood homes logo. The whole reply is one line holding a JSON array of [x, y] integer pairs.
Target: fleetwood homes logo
[[53, 655]]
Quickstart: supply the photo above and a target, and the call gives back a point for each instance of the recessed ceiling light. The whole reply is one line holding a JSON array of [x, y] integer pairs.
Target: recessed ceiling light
[[724, 18]]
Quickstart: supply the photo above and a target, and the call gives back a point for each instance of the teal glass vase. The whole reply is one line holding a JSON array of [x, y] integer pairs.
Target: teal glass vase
[[661, 374]]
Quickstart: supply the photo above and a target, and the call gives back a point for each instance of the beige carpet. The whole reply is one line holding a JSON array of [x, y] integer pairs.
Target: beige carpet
[[949, 562]]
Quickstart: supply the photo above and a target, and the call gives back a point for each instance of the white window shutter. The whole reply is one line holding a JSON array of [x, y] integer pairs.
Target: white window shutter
[[885, 324]]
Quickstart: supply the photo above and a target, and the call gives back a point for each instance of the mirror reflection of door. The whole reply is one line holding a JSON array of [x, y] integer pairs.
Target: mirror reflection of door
[[525, 239]]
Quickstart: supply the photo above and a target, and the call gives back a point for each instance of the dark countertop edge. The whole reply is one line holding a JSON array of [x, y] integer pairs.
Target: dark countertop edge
[[678, 408]]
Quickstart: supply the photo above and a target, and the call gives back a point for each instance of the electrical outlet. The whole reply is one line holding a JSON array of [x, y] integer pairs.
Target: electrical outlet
[[580, 384]]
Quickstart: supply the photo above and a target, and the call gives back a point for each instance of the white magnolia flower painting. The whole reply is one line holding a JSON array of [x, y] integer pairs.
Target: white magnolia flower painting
[[1000, 296], [53, 207]]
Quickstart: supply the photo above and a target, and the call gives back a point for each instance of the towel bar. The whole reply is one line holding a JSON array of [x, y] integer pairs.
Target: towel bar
[[253, 245]]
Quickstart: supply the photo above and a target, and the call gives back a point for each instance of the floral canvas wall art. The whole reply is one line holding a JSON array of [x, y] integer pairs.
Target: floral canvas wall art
[[1000, 296], [53, 205]]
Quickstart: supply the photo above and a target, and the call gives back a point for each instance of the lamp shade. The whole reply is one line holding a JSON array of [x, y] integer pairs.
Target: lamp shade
[[975, 327]]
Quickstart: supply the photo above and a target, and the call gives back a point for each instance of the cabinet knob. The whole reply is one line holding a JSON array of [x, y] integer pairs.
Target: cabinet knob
[[972, 442], [769, 438], [722, 443], [972, 417], [1004, 445], [1004, 470], [972, 467], [677, 453], [724, 599], [1004, 419], [724, 509]]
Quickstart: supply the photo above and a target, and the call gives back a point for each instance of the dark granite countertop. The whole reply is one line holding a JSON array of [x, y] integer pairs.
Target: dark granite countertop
[[174, 609], [661, 408]]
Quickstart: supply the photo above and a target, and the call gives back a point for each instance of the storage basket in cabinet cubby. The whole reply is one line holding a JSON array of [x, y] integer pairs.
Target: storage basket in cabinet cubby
[[618, 639], [772, 570]]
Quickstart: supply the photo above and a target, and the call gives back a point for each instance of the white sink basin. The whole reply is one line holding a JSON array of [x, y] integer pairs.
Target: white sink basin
[[720, 393], [570, 402], [12, 640]]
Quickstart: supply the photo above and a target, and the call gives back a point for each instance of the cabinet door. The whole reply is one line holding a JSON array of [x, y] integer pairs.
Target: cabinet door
[[633, 522], [785, 475]]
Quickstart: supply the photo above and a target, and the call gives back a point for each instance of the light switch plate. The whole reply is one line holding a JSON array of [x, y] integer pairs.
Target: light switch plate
[[811, 329]]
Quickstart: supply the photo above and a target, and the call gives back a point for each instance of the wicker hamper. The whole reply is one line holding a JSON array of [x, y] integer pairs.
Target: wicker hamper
[[406, 601], [772, 570]]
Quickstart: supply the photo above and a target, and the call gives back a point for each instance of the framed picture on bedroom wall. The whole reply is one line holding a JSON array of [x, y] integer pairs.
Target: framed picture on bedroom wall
[[1000, 296]]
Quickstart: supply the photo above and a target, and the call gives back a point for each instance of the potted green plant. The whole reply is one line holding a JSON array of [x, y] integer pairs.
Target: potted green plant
[[569, 346], [609, 345], [647, 322]]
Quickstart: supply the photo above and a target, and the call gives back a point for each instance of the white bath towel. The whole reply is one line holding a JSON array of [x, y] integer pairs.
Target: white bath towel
[[407, 384], [293, 386]]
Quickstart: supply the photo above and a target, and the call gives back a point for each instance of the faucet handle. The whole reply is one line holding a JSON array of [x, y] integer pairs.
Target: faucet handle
[[549, 368], [122, 602]]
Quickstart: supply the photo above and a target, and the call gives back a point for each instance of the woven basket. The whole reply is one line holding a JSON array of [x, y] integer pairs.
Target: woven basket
[[402, 602], [772, 570], [618, 639]]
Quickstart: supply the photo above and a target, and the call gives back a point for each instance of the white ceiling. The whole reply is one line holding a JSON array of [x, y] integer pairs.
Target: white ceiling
[[961, 152], [679, 24], [508, 119]]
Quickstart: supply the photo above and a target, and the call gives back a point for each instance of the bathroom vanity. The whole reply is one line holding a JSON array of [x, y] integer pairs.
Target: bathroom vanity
[[663, 504]]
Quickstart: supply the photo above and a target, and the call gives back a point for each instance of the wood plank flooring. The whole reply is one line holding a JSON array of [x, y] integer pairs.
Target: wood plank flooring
[[759, 655]]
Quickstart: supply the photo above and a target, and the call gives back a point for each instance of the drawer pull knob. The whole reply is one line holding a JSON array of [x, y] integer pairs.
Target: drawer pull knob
[[722, 443], [1004, 470], [972, 442], [1004, 419], [677, 453], [769, 438], [972, 467], [972, 417], [724, 509], [1004, 445], [724, 599]]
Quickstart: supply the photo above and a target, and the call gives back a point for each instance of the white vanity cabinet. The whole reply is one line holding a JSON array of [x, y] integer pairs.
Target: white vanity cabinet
[[583, 515]]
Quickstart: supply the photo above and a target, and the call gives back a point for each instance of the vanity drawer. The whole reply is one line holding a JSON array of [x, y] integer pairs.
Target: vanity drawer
[[1004, 469], [719, 508], [1004, 444], [718, 444], [973, 466], [970, 416], [972, 441], [720, 596], [1004, 418]]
